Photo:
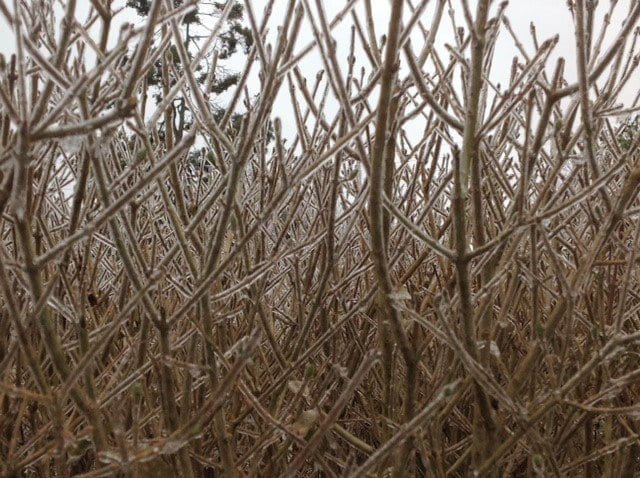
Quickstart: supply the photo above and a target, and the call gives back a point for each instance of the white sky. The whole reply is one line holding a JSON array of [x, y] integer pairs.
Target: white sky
[[550, 17]]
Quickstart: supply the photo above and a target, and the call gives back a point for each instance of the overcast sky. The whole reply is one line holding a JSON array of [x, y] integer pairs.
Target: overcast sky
[[550, 17]]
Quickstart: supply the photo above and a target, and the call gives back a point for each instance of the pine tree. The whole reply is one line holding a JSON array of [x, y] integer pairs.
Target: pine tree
[[234, 38], [629, 133]]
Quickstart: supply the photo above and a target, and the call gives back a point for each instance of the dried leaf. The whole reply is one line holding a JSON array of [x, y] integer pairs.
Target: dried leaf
[[305, 422], [295, 385]]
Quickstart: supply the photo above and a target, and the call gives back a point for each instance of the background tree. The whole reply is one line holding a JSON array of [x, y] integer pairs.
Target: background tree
[[210, 71], [630, 130]]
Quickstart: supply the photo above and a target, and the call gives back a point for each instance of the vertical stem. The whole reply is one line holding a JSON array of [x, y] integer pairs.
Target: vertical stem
[[469, 142], [388, 314], [582, 52], [484, 426]]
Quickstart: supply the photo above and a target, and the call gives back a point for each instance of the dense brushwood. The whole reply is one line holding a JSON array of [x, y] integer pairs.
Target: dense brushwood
[[411, 272]]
